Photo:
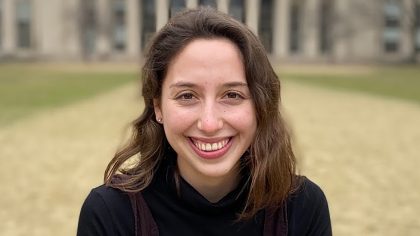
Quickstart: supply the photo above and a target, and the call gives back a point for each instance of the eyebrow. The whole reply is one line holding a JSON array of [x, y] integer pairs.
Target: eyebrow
[[182, 84], [192, 85], [235, 84]]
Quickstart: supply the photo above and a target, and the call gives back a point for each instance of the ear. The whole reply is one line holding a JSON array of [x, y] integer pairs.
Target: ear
[[156, 107]]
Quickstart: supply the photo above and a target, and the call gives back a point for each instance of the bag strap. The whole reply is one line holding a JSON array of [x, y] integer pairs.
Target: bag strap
[[144, 225], [143, 219], [135, 213], [275, 222]]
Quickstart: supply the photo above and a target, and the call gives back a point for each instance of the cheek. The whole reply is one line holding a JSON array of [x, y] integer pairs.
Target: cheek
[[243, 119], [176, 119]]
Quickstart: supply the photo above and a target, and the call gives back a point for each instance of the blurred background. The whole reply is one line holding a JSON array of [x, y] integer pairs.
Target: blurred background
[[291, 30], [69, 88]]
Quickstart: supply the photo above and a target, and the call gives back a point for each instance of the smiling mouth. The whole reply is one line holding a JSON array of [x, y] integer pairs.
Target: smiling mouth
[[210, 147]]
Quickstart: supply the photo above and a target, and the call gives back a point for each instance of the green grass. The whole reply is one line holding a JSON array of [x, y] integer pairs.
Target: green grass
[[26, 89], [400, 82]]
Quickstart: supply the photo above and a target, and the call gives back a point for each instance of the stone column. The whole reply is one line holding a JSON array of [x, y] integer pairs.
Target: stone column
[[162, 13], [223, 6], [281, 28], [363, 34], [407, 37], [133, 26], [191, 4], [103, 40], [9, 27], [47, 28], [252, 15], [43, 18], [341, 32], [311, 28], [71, 23]]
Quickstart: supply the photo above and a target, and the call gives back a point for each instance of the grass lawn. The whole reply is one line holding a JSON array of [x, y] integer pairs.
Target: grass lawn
[[29, 88], [401, 82]]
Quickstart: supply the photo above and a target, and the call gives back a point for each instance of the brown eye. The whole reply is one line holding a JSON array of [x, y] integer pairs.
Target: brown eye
[[185, 96], [233, 95]]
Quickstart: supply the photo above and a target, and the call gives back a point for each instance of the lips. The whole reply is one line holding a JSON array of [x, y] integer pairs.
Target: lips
[[211, 149]]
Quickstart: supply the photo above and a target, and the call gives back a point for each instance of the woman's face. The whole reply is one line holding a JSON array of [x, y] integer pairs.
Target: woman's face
[[207, 111]]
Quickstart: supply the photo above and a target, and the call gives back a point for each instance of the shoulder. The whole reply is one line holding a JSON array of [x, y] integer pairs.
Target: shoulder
[[106, 211], [307, 194], [112, 197], [307, 210]]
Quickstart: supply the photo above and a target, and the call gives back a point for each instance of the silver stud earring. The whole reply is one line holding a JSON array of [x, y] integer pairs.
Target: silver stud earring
[[159, 120]]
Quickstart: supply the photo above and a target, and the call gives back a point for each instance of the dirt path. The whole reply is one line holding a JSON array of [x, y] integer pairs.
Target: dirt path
[[363, 151], [50, 162]]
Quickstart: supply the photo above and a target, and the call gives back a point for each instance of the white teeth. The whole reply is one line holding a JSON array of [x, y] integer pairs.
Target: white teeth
[[208, 147]]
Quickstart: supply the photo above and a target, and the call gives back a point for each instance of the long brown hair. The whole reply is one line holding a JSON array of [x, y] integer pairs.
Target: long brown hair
[[270, 158]]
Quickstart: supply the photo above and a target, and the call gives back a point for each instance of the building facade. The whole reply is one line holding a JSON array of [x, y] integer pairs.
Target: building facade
[[291, 30]]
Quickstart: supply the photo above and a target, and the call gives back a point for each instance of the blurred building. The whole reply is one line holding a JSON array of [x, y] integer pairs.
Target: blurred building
[[291, 30]]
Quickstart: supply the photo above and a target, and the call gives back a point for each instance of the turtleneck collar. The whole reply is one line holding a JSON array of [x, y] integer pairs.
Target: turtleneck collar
[[168, 180]]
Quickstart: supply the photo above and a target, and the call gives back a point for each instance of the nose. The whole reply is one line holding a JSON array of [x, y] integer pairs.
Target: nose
[[210, 120]]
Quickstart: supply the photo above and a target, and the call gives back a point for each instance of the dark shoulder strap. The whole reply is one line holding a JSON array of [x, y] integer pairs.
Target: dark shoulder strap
[[275, 222], [143, 219], [135, 213], [144, 225]]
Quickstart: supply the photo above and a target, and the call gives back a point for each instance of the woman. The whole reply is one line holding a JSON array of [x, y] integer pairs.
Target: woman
[[212, 153]]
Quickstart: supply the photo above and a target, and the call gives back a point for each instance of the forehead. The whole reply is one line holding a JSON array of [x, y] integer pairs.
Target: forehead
[[207, 51], [205, 62]]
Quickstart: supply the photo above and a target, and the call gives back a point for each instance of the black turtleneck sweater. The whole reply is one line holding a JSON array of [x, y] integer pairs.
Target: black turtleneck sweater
[[187, 212], [107, 211]]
